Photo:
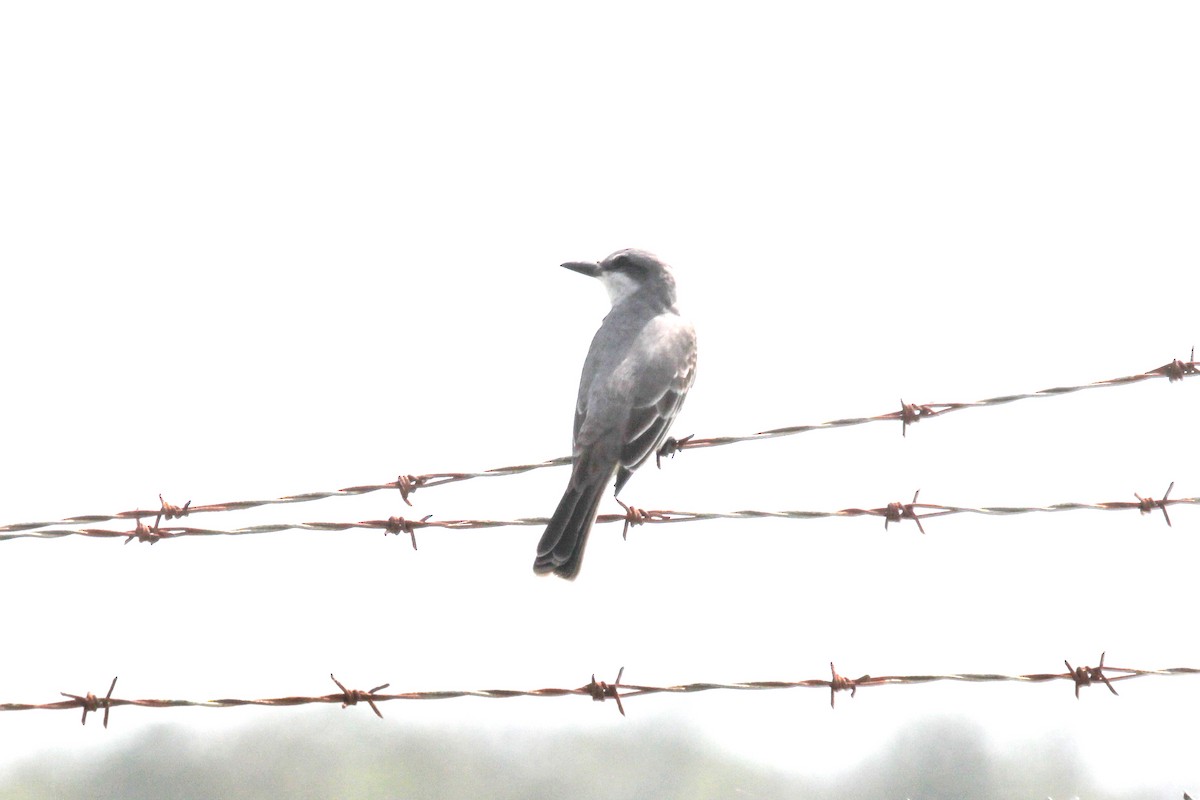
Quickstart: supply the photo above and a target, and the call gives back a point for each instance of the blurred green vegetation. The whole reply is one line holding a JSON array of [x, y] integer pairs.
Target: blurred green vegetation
[[320, 756]]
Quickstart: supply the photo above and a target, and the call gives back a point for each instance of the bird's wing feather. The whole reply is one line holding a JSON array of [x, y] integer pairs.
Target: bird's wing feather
[[621, 420], [659, 389]]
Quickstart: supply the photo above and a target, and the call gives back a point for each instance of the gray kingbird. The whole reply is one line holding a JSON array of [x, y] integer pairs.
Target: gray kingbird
[[640, 366]]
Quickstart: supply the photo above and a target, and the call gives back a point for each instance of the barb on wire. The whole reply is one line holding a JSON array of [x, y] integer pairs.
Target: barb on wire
[[1147, 504], [399, 525], [144, 533], [601, 690], [89, 702], [1086, 676], [617, 690], [902, 511], [837, 683], [350, 697], [633, 516], [909, 414]]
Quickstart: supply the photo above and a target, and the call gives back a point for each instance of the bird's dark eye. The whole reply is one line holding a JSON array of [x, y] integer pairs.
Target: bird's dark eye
[[629, 264]]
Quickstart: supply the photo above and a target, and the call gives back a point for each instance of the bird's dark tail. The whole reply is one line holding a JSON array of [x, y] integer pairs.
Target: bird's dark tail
[[561, 549]]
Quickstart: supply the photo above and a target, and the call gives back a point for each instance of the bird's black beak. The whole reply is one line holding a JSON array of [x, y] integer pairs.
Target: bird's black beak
[[590, 268]]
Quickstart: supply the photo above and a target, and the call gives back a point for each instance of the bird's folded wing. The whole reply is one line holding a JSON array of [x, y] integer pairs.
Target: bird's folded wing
[[661, 386]]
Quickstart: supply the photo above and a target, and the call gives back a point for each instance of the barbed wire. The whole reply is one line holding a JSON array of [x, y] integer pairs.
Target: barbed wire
[[633, 516], [908, 414], [618, 691], [912, 413]]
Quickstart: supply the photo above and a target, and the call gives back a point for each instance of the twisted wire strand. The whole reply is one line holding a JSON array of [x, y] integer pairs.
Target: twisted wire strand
[[908, 414], [617, 690], [892, 512], [911, 413]]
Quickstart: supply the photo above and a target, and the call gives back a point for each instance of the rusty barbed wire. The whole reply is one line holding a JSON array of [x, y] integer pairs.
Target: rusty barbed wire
[[908, 414], [598, 690], [634, 516], [912, 413]]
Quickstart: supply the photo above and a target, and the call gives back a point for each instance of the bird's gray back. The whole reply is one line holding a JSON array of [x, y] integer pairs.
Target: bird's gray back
[[641, 363]]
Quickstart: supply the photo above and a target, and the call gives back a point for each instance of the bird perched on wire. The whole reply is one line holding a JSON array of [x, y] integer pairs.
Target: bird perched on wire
[[639, 368]]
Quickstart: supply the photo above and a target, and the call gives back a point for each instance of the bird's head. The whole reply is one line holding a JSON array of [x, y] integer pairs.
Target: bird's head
[[629, 274]]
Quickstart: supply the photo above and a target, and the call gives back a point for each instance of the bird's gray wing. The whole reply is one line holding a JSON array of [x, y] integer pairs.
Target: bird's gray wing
[[623, 415], [666, 372]]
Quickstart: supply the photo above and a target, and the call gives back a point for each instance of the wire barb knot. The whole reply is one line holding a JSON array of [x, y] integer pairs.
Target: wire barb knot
[[1086, 676], [1178, 370], [399, 525], [1146, 505], [169, 512], [90, 702], [895, 512], [407, 484], [912, 413], [145, 533], [638, 516], [350, 697], [602, 690], [840, 683], [670, 447]]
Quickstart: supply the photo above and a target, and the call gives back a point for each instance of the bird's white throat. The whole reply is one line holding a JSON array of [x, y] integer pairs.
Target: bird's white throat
[[619, 285]]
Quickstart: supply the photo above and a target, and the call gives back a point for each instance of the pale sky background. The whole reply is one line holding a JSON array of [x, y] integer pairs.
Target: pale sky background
[[254, 249]]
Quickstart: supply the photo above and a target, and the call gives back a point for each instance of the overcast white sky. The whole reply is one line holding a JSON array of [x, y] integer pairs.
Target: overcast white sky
[[253, 249]]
